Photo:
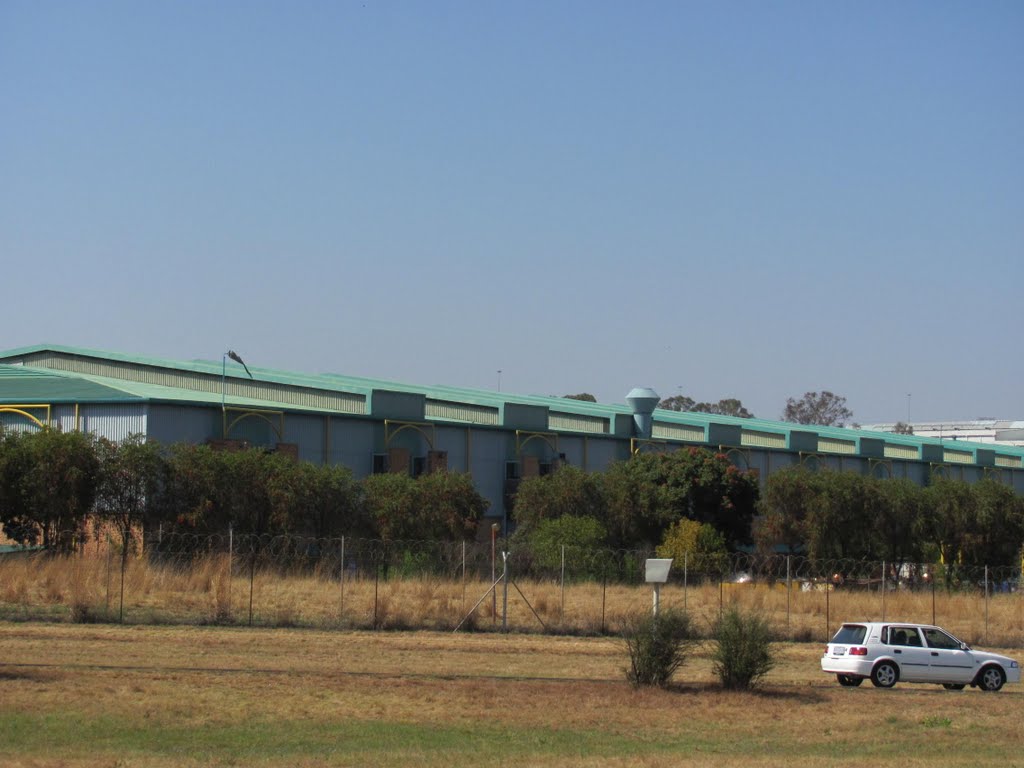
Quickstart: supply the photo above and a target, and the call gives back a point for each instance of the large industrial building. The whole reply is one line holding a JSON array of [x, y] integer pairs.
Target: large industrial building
[[380, 426]]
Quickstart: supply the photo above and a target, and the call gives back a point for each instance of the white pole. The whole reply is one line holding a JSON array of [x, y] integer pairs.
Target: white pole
[[657, 598]]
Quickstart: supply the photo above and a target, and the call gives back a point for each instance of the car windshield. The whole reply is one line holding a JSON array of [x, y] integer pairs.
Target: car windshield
[[850, 634]]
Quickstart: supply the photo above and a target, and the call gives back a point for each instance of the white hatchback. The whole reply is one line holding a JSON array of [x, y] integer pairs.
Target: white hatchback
[[890, 652]]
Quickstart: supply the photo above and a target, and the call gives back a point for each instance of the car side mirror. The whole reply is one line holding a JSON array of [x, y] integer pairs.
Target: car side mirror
[[964, 647]]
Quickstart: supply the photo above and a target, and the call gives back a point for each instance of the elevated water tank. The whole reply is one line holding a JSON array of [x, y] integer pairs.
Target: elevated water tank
[[643, 401]]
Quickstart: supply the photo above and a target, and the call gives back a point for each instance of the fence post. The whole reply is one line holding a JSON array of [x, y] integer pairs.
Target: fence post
[[789, 596], [933, 597], [463, 575], [231, 557], [108, 574], [562, 586], [828, 618], [883, 590], [341, 608], [124, 565], [686, 565], [252, 575], [504, 596], [986, 603]]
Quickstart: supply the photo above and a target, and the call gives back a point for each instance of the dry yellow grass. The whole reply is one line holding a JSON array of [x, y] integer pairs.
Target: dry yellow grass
[[280, 697], [84, 588]]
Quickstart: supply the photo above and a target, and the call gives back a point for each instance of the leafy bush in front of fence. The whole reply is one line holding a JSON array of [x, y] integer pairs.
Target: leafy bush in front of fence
[[697, 545], [743, 652], [577, 537], [657, 645]]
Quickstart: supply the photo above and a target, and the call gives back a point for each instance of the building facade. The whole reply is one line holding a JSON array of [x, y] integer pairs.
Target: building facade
[[379, 426]]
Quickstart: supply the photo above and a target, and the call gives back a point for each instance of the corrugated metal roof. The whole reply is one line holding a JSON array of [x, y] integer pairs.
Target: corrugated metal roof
[[33, 384]]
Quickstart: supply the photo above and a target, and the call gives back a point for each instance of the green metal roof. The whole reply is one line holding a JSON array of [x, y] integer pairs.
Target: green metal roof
[[26, 384]]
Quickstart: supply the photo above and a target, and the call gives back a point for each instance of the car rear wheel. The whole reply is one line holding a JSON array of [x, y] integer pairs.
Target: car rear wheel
[[884, 675], [848, 681], [953, 686], [991, 678]]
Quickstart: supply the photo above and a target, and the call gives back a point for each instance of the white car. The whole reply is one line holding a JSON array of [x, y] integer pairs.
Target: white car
[[888, 652]]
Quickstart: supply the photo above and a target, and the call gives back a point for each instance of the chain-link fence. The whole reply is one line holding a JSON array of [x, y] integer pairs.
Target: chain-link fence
[[358, 583]]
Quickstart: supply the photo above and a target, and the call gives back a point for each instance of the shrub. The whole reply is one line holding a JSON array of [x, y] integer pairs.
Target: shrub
[[657, 645], [581, 537], [742, 652]]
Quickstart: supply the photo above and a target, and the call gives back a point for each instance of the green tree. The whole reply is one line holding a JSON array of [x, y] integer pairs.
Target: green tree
[[822, 408], [566, 491], [698, 545], [580, 536], [730, 406], [448, 506], [649, 492], [997, 535], [788, 503], [584, 396], [49, 484], [950, 518], [130, 474], [328, 501]]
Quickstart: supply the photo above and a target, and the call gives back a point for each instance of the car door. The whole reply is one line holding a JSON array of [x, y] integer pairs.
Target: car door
[[948, 661], [909, 651]]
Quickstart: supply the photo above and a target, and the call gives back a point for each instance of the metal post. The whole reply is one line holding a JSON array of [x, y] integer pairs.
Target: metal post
[[883, 590], [341, 608], [252, 578], [657, 598], [494, 595], [562, 585], [933, 598], [828, 618], [686, 556], [124, 565], [231, 557], [504, 597], [986, 603], [463, 574], [789, 593]]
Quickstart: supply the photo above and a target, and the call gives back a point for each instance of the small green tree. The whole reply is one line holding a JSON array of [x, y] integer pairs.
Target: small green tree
[[742, 653], [581, 537], [568, 491], [698, 545], [657, 645], [129, 480]]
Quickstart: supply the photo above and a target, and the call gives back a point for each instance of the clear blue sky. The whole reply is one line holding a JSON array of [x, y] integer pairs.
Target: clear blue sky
[[737, 199]]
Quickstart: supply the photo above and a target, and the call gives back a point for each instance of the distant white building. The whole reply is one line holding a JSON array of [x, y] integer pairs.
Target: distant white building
[[977, 431]]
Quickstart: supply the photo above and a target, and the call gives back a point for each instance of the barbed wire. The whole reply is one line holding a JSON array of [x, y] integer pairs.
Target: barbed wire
[[331, 557]]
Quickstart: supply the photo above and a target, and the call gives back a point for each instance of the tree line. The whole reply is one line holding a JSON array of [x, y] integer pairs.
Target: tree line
[[827, 514], [53, 482], [688, 500]]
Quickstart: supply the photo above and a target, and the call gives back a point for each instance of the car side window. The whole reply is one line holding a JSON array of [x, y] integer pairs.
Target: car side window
[[905, 636], [938, 639]]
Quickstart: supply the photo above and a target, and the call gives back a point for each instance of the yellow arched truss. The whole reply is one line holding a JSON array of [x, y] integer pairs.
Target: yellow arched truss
[[523, 438], [393, 428], [876, 466], [638, 445], [246, 413], [25, 410], [732, 453]]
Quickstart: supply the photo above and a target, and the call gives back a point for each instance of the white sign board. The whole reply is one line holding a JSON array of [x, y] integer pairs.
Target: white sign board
[[656, 571]]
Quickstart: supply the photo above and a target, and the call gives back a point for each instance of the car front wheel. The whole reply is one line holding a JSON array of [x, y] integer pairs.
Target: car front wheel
[[991, 679], [847, 681], [885, 675]]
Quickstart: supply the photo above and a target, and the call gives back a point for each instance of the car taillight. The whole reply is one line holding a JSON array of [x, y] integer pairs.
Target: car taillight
[[826, 650], [859, 651]]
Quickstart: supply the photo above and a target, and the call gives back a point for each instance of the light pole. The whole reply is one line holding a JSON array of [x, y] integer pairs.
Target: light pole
[[908, 409], [499, 379], [223, 385]]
